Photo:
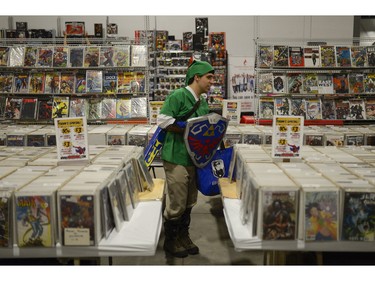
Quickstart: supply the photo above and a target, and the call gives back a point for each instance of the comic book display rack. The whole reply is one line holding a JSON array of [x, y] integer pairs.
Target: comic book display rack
[[327, 81]]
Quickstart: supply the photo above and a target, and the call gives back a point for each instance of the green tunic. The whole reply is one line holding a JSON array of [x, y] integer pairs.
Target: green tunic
[[176, 105]]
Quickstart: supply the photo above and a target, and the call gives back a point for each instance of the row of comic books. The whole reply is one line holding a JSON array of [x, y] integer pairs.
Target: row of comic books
[[17, 108], [73, 56], [73, 82], [316, 83], [315, 56], [316, 108]]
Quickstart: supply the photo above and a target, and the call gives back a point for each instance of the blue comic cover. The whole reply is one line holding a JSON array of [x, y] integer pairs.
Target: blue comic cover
[[110, 83], [343, 57]]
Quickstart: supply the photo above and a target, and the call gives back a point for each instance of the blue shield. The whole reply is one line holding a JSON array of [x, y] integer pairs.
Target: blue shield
[[203, 136]]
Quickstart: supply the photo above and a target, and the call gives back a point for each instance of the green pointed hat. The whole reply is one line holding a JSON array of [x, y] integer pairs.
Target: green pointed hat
[[199, 68]]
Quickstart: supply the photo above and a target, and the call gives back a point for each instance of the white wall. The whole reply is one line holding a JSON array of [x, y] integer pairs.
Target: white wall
[[240, 30]]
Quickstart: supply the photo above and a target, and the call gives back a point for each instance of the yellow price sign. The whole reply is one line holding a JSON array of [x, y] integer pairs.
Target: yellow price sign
[[295, 129]]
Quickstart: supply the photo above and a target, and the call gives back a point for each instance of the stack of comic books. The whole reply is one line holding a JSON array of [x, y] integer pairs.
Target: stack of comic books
[[117, 135], [138, 135]]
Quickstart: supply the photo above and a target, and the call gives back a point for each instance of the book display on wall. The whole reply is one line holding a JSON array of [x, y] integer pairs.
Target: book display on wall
[[334, 78]]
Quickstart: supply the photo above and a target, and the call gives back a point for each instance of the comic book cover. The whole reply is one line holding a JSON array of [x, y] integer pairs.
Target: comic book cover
[[31, 56], [78, 107], [279, 211], [137, 85], [161, 40], [343, 56], [265, 56], [13, 108], [45, 57], [76, 56], [328, 109], [265, 83], [121, 57], [279, 83], [106, 56], [91, 56], [4, 56], [369, 82], [53, 81], [342, 109], [340, 83], [95, 109], [358, 216], [327, 56], [359, 56], [6, 82], [314, 140], [310, 83], [294, 83], [60, 107], [5, 219], [60, 56], [115, 200], [356, 85], [138, 107], [98, 27], [16, 56], [296, 57], [124, 79], [110, 82], [298, 107], [370, 109], [33, 221], [36, 82], [123, 108], [325, 83], [94, 81], [187, 41], [282, 106], [312, 56], [370, 55], [139, 55], [75, 28], [321, 215], [107, 219], [108, 108], [280, 56], [357, 109], [313, 109], [36, 140], [266, 108], [16, 140], [44, 111], [80, 82], [67, 83], [21, 82], [77, 211], [29, 108], [133, 183]]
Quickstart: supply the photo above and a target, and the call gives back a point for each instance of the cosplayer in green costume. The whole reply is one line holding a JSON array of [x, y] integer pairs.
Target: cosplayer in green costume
[[181, 190]]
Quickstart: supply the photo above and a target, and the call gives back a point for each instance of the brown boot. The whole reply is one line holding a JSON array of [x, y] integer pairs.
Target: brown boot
[[184, 236], [172, 244]]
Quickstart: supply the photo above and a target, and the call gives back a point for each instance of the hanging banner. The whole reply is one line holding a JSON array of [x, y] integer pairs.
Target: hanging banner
[[241, 81]]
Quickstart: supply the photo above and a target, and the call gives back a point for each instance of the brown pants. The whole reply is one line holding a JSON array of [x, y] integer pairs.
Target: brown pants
[[181, 189]]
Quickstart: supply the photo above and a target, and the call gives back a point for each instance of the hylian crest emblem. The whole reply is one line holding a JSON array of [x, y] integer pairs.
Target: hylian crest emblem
[[203, 136]]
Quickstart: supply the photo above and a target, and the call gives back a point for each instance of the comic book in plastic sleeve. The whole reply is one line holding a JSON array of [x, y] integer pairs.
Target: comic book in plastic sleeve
[[75, 28], [6, 82], [358, 56], [5, 218], [343, 56], [45, 57], [124, 195], [138, 107], [370, 55], [31, 56], [110, 82], [312, 56], [298, 107], [94, 81], [124, 79], [265, 83], [33, 221], [266, 108], [60, 107], [279, 83], [95, 109], [310, 83], [137, 85], [78, 107], [340, 83], [313, 109], [61, 56], [282, 106], [80, 82], [133, 183], [123, 108], [44, 110], [328, 56], [356, 83], [29, 108], [295, 84], [296, 57], [280, 56], [357, 109], [370, 109], [265, 56], [91, 56], [325, 83], [36, 82], [76, 56], [187, 41], [106, 213], [121, 56], [4, 56], [108, 108], [52, 82], [16, 56], [161, 40], [67, 83], [106, 56], [115, 201], [139, 55], [21, 82], [369, 82], [342, 109], [328, 109], [13, 108]]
